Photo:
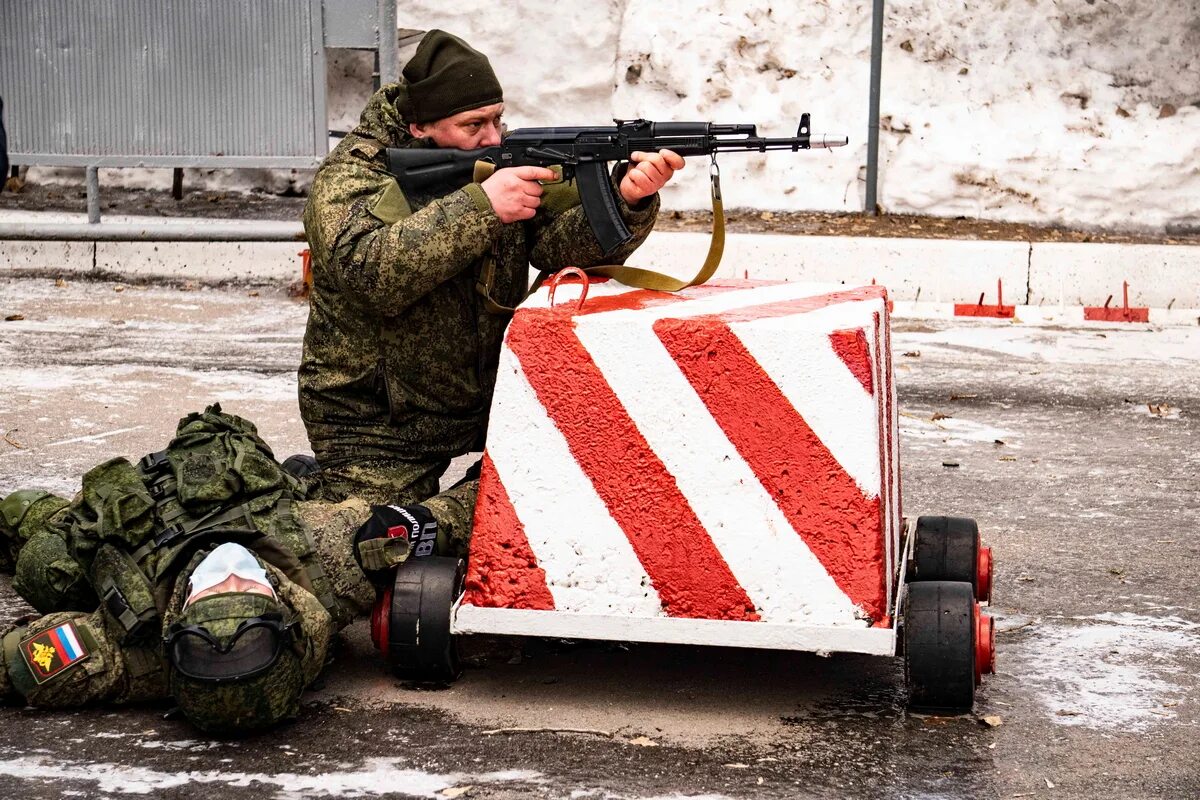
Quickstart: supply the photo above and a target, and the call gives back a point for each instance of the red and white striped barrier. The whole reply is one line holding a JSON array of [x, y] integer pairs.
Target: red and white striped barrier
[[716, 466]]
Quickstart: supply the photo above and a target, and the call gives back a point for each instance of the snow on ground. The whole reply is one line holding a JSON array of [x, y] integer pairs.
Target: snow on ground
[[1031, 111], [377, 776], [1091, 343], [1114, 671]]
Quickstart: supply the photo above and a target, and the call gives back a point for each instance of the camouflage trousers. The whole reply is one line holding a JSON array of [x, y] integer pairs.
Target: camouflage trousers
[[396, 482]]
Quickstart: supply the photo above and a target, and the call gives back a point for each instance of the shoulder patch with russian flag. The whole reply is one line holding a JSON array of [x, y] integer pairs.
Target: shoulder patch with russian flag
[[53, 651]]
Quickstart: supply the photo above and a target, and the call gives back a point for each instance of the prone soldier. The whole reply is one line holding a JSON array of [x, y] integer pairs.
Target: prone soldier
[[199, 574]]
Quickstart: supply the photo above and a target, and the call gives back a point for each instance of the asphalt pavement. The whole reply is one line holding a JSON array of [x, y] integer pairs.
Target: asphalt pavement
[[1074, 447]]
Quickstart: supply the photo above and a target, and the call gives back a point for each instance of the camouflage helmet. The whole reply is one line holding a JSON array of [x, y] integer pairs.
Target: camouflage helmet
[[22, 514], [258, 680]]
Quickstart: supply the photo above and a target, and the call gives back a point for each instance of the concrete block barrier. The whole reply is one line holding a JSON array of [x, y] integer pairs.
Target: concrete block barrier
[[660, 468]]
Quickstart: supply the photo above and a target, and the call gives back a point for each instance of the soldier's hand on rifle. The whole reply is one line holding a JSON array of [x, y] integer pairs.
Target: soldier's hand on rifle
[[648, 173], [515, 192]]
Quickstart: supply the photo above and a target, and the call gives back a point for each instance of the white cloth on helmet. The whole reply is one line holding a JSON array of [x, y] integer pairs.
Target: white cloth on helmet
[[226, 560]]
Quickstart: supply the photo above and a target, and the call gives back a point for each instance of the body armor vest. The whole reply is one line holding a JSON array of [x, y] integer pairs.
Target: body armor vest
[[137, 528]]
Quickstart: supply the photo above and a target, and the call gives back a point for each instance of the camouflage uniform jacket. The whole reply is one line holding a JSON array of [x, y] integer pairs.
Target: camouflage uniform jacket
[[400, 353]]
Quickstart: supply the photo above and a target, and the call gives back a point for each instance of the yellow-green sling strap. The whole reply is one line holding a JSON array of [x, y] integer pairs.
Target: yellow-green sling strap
[[630, 276]]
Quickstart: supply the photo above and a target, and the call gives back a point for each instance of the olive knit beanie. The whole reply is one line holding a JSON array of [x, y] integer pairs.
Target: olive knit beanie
[[445, 77]]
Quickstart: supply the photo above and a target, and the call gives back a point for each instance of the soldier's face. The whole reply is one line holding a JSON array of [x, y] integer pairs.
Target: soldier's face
[[468, 130]]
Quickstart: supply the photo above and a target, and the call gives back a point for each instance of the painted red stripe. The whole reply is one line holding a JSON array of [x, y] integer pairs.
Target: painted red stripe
[[980, 310], [851, 347], [686, 569], [822, 502], [503, 571], [628, 301], [801, 305], [1123, 314], [638, 299]]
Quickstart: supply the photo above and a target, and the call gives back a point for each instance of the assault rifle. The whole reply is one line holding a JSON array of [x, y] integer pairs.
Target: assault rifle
[[584, 153]]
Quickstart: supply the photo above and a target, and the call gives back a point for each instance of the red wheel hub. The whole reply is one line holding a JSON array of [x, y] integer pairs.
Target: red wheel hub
[[381, 621], [985, 645], [983, 575]]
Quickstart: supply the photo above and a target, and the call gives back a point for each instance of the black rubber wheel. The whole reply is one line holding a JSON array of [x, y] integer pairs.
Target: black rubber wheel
[[939, 646], [945, 549], [421, 646]]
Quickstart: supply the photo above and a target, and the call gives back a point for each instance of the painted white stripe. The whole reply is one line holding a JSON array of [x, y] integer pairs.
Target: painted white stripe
[[796, 352], [677, 630], [769, 559], [589, 563], [67, 637]]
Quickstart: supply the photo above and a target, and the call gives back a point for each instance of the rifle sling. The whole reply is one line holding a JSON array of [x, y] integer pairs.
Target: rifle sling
[[649, 279], [636, 277]]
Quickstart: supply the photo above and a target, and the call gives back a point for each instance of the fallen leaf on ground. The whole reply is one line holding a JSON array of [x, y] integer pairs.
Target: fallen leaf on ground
[[456, 791], [14, 318], [1162, 409], [992, 720], [939, 415], [643, 741]]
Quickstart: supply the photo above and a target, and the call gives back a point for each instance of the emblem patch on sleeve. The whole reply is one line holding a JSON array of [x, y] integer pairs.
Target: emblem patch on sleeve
[[52, 651]]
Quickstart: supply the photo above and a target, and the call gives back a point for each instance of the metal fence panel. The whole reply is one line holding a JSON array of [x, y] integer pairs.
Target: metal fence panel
[[351, 23], [165, 83]]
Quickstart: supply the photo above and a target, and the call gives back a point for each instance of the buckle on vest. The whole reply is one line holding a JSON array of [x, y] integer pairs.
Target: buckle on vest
[[122, 612], [169, 534], [153, 462]]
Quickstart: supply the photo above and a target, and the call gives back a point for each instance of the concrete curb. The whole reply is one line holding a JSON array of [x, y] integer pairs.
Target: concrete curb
[[1165, 278]]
